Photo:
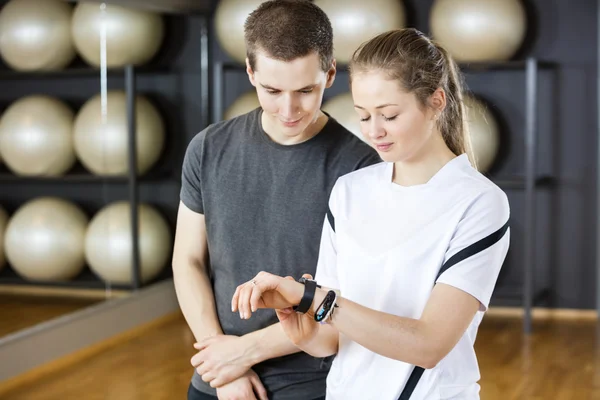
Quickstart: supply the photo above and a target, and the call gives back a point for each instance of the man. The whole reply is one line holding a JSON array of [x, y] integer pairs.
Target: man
[[254, 197]]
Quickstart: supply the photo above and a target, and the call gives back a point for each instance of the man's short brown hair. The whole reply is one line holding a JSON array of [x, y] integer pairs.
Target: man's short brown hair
[[287, 30]]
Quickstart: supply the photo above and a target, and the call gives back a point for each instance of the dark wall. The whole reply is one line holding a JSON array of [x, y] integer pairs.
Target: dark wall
[[563, 33]]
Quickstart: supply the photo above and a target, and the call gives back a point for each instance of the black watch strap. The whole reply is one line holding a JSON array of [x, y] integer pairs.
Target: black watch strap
[[310, 287]]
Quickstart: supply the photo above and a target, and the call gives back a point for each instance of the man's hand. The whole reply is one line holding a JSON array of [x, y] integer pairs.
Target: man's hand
[[221, 359], [248, 387]]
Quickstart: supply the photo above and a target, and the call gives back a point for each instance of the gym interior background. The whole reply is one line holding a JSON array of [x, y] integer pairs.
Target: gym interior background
[[71, 262]]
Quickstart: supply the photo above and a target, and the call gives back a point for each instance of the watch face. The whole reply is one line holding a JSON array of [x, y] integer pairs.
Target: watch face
[[327, 303]]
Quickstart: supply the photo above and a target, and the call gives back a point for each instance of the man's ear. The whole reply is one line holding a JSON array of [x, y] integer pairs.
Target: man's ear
[[331, 74], [250, 73]]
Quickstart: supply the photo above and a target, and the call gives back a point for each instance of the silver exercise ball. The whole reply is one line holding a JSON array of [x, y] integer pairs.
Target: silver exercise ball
[[3, 222], [36, 136], [44, 239], [102, 139], [479, 31], [36, 35], [245, 103], [356, 21], [229, 20], [484, 133], [341, 108], [108, 243], [132, 36]]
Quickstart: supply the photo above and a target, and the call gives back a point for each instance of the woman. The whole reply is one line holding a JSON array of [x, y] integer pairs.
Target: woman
[[412, 246]]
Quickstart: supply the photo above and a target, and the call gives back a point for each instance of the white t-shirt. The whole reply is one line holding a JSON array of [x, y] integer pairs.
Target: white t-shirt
[[383, 245]]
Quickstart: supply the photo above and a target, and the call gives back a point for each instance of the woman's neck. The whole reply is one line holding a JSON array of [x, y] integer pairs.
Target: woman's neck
[[422, 167]]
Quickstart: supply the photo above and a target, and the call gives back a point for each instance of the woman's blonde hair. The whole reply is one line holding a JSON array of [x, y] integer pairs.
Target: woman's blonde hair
[[421, 66]]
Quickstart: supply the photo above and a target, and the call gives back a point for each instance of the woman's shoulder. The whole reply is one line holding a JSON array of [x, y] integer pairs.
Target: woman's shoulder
[[365, 174]]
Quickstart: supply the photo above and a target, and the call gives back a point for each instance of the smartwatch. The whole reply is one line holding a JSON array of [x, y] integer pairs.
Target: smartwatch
[[310, 287]]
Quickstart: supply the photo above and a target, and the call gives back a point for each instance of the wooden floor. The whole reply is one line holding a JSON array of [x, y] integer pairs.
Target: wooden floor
[[560, 361], [18, 312]]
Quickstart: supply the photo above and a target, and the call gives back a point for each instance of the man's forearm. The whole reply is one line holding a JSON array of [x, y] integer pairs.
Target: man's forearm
[[196, 300], [267, 343], [272, 342]]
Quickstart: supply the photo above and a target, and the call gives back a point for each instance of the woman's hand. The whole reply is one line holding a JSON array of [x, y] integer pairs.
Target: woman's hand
[[266, 291], [272, 291]]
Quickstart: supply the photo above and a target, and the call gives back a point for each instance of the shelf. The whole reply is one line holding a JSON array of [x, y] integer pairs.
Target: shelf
[[80, 71], [503, 65], [80, 175], [85, 280], [82, 178], [518, 182]]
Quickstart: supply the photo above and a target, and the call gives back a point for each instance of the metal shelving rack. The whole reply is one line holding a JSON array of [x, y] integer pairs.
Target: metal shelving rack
[[87, 279]]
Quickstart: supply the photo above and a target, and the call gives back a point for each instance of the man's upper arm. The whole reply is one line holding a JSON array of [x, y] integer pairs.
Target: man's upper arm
[[191, 177], [190, 246]]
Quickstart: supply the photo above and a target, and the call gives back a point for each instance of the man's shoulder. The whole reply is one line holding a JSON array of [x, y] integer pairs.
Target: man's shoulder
[[347, 151], [346, 141], [223, 132]]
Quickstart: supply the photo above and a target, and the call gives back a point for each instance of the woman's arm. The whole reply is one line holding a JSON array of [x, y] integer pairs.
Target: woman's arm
[[423, 342], [324, 344]]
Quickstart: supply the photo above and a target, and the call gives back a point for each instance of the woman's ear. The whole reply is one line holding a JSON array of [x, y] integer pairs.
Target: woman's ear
[[438, 101]]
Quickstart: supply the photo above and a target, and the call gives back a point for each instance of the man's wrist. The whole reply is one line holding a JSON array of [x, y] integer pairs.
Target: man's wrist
[[253, 348]]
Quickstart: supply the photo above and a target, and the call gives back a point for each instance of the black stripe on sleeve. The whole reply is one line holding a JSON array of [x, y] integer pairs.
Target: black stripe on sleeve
[[330, 218], [474, 248]]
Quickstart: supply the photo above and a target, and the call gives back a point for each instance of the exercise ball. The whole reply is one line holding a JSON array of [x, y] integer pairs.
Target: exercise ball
[[108, 243], [341, 108], [3, 223], [479, 31], [484, 133], [44, 239], [102, 139], [356, 21], [132, 36], [242, 105], [36, 136], [229, 19], [36, 35]]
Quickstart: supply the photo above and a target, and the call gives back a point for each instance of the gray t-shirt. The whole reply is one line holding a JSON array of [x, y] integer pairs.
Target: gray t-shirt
[[265, 205]]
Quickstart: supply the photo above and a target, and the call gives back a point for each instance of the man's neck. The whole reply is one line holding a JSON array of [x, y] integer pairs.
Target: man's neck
[[278, 137]]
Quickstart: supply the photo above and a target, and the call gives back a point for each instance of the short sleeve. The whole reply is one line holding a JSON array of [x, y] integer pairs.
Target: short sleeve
[[478, 247], [191, 180], [326, 274]]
